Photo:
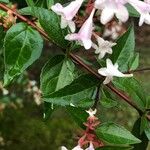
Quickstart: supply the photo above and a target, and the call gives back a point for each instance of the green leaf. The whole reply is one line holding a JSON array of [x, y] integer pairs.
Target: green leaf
[[132, 11], [134, 90], [50, 22], [48, 110], [79, 115], [145, 126], [2, 35], [107, 100], [56, 74], [147, 132], [23, 45], [4, 1], [115, 148], [115, 134], [50, 3], [136, 131], [80, 89], [148, 102], [30, 2], [124, 49], [41, 3], [134, 62]]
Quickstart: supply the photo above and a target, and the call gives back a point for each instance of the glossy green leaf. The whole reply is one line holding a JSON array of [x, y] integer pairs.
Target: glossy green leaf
[[148, 102], [145, 126], [50, 3], [133, 89], [134, 62], [23, 45], [147, 132], [50, 22], [115, 148], [56, 74], [2, 35], [136, 131], [115, 134], [30, 2], [80, 89], [79, 115], [132, 11], [107, 100], [4, 1], [124, 49]]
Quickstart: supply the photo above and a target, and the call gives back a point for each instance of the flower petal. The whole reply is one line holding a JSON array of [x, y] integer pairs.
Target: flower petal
[[57, 8], [63, 148], [63, 23], [103, 71], [87, 43], [122, 13], [106, 15], [72, 26], [108, 79]]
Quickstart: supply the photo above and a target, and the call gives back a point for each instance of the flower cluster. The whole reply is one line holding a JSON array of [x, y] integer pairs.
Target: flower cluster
[[89, 137], [108, 9]]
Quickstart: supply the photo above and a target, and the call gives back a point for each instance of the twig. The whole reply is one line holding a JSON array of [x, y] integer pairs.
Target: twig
[[140, 70], [74, 57], [24, 19]]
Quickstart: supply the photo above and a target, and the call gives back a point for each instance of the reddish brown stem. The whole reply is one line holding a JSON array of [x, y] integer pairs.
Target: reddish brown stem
[[74, 57], [24, 19]]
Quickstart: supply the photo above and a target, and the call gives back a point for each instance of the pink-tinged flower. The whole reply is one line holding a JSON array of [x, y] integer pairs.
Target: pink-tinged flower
[[144, 10], [91, 147], [147, 1], [103, 47], [110, 8], [91, 112], [110, 71], [85, 33], [67, 13]]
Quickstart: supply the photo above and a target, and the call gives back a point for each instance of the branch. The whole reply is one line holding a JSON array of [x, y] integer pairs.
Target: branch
[[75, 58], [140, 70], [24, 19]]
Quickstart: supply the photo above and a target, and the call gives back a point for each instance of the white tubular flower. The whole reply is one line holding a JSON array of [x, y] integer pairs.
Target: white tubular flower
[[110, 8], [91, 112], [103, 47], [78, 147], [110, 71], [85, 33], [91, 147], [67, 13], [63, 148], [144, 10]]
